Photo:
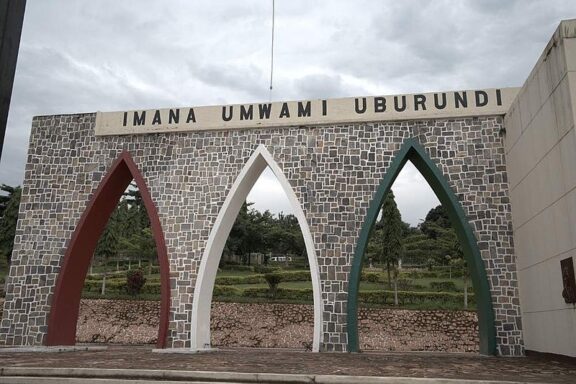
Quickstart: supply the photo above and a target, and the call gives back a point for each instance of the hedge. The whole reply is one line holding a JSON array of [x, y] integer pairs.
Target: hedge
[[235, 280], [443, 286], [115, 285], [366, 297], [262, 269], [372, 277], [223, 290], [381, 297], [236, 267], [303, 294], [151, 288], [259, 279], [406, 297], [295, 275], [420, 274]]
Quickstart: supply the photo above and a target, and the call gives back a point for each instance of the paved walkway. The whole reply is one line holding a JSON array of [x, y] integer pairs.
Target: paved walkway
[[423, 365]]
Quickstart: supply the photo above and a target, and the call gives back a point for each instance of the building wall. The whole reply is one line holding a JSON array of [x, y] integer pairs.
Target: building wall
[[541, 161]]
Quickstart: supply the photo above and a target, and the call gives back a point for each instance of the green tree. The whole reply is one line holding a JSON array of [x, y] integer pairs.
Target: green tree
[[9, 206], [387, 245], [432, 242], [140, 244], [107, 246], [439, 216], [133, 199], [5, 198], [135, 280], [284, 236], [273, 280], [262, 232], [459, 262], [236, 239]]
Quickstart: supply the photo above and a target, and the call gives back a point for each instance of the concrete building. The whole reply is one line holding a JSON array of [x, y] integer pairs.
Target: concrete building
[[541, 162]]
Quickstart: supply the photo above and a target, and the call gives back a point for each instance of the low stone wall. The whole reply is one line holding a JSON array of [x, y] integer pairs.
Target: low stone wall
[[409, 330], [282, 326], [262, 325], [118, 321]]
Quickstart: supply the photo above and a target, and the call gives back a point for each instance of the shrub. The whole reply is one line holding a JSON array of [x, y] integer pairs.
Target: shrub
[[455, 273], [236, 267], [120, 296], [235, 280], [405, 284], [222, 290], [419, 274], [151, 289], [295, 275], [135, 280], [273, 279], [259, 279], [296, 294], [299, 264], [443, 286], [265, 269], [112, 286], [404, 297], [372, 277]]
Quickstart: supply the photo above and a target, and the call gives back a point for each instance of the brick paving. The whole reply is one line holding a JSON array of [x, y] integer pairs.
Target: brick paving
[[542, 369]]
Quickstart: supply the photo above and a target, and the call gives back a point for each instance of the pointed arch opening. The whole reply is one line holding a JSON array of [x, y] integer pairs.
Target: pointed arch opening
[[260, 159], [68, 291], [412, 151]]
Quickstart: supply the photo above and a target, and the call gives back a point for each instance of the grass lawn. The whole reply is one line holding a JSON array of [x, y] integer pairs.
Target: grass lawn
[[227, 272], [459, 282], [364, 285], [382, 285], [286, 284], [3, 271]]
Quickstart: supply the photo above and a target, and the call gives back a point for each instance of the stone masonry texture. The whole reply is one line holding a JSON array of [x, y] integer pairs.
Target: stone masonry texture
[[282, 326], [334, 171]]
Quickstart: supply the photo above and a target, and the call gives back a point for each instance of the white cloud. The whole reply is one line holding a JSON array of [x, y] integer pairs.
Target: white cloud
[[267, 194], [413, 195], [83, 56]]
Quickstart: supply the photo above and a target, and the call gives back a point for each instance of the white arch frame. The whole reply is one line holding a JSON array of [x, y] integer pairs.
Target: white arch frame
[[200, 329]]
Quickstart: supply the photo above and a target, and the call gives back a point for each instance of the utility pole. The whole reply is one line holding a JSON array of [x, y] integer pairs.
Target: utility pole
[[11, 19]]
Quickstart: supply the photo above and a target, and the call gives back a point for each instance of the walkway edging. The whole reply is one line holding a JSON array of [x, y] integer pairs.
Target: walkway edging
[[228, 377]]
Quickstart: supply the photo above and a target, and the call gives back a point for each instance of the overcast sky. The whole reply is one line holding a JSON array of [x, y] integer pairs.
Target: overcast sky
[[84, 56]]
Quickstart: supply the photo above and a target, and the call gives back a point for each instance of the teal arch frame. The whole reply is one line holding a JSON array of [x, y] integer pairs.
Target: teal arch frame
[[413, 151]]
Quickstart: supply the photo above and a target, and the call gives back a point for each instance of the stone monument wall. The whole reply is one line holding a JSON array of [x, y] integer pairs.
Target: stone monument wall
[[334, 171]]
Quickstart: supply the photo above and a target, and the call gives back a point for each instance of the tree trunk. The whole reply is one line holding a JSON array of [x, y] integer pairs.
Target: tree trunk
[[465, 293], [139, 263], [117, 266], [103, 291], [150, 268], [396, 292], [389, 278]]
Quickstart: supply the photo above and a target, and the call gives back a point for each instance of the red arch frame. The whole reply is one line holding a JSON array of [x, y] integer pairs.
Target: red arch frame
[[66, 300]]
